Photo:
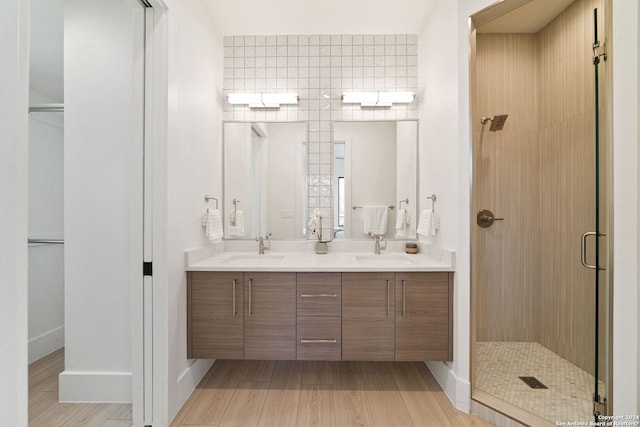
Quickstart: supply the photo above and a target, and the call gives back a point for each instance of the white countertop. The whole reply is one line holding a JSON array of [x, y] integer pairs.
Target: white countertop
[[311, 262]]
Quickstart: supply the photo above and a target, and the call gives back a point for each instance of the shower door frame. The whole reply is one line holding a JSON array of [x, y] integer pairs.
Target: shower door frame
[[606, 91]]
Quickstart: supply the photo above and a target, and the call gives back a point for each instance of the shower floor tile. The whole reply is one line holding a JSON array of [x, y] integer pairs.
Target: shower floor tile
[[568, 397]]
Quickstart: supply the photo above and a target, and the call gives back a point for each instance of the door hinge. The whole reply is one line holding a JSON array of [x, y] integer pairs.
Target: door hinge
[[599, 405], [147, 269]]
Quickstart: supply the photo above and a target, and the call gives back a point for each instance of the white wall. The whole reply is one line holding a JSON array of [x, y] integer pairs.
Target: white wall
[[194, 162], [626, 214], [14, 82], [103, 196], [444, 171], [406, 173], [238, 180], [445, 135], [285, 172], [46, 261]]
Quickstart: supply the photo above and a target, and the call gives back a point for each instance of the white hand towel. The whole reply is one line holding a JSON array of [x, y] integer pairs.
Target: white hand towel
[[212, 222], [374, 219], [236, 227], [429, 223], [424, 224], [403, 225], [435, 223], [402, 219]]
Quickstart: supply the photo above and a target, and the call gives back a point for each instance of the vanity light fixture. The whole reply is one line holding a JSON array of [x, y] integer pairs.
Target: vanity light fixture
[[377, 99], [262, 99]]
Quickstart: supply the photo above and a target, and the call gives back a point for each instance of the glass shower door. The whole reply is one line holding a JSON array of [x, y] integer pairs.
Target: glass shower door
[[599, 235]]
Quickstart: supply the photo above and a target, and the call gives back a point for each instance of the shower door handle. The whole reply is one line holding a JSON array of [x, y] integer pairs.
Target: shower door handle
[[583, 250], [486, 218]]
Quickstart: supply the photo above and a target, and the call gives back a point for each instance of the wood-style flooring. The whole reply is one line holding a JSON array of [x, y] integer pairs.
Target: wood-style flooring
[[45, 411], [324, 394], [272, 393]]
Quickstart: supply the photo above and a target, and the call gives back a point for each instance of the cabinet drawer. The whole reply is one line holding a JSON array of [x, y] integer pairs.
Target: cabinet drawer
[[319, 338], [319, 294]]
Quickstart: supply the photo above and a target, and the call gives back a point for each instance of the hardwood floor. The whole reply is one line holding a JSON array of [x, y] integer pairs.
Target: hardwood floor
[[309, 393], [272, 393], [45, 411]]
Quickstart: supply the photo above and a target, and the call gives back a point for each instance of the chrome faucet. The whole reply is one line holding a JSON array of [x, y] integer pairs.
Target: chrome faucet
[[378, 245], [261, 245]]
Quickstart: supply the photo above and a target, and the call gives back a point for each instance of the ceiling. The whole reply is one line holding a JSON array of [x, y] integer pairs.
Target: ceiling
[[528, 18], [270, 17], [267, 17]]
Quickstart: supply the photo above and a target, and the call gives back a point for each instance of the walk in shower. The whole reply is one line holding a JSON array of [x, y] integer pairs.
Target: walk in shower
[[539, 199]]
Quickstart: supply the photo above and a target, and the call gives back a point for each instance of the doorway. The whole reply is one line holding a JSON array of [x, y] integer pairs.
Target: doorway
[[540, 318], [104, 232]]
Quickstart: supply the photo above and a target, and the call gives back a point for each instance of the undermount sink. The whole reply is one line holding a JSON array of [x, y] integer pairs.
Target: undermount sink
[[384, 259], [254, 258]]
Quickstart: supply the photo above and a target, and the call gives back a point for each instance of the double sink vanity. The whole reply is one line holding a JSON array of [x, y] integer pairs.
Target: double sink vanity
[[352, 303], [290, 303]]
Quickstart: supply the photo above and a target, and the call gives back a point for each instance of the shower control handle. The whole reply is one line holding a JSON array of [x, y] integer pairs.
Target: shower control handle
[[486, 218]]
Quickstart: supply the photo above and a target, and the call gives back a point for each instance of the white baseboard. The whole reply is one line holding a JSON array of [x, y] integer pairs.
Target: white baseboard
[[113, 387], [188, 380], [457, 390], [46, 343]]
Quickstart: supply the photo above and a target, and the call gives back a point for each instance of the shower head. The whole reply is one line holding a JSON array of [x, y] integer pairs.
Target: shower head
[[497, 122]]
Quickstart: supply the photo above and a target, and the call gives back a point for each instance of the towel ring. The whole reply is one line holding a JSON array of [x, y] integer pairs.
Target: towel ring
[[403, 201], [208, 198], [433, 200]]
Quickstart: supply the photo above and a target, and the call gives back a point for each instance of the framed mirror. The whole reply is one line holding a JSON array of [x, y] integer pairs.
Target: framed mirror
[[264, 180], [375, 166]]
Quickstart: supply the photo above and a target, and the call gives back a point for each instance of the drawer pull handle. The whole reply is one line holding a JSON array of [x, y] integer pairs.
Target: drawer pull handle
[[250, 308], [320, 341], [233, 297], [388, 287], [404, 298], [318, 295]]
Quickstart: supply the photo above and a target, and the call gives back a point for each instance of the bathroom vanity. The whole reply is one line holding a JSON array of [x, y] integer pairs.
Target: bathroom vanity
[[339, 306]]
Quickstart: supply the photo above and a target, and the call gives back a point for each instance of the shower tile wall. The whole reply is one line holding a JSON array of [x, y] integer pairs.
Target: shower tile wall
[[320, 68], [538, 174]]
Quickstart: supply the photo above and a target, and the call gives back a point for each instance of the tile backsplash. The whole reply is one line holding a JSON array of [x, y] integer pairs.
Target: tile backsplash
[[319, 68]]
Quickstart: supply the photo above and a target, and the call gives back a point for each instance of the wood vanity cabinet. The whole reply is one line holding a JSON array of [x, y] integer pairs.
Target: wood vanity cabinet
[[215, 315], [423, 324], [270, 316], [319, 306], [404, 316], [368, 316]]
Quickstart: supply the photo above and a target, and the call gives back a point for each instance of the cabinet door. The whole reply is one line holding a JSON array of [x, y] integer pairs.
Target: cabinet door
[[270, 316], [214, 315], [368, 316], [423, 329]]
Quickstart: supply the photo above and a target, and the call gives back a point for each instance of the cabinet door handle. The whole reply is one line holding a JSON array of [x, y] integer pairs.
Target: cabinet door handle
[[250, 284], [388, 286], [318, 295], [318, 341], [404, 298], [233, 297]]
